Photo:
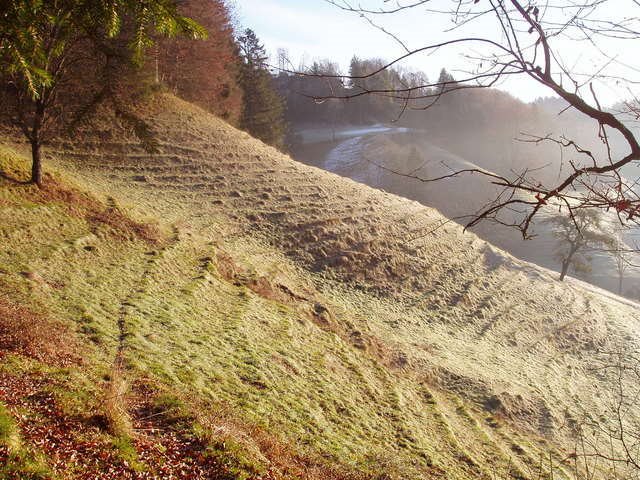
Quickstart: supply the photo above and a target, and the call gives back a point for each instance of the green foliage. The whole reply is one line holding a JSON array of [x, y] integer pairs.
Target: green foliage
[[34, 33], [263, 112], [20, 44], [40, 41]]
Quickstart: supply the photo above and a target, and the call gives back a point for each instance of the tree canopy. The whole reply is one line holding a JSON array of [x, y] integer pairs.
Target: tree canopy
[[263, 112], [204, 72], [42, 41]]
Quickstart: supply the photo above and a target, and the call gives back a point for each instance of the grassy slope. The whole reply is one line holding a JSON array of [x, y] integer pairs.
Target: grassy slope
[[282, 320]]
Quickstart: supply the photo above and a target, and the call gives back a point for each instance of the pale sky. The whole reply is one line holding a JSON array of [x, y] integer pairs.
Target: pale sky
[[314, 29]]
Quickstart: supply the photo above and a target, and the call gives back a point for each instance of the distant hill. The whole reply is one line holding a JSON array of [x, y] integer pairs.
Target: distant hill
[[218, 310]]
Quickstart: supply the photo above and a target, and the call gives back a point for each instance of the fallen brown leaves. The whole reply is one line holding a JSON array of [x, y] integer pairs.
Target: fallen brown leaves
[[45, 428], [169, 449], [35, 336], [78, 447]]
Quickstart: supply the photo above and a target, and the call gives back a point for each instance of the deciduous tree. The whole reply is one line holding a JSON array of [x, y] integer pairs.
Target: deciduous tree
[[204, 72], [42, 41], [576, 237]]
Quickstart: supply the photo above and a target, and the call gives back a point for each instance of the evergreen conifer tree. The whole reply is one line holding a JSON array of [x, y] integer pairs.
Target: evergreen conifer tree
[[263, 112]]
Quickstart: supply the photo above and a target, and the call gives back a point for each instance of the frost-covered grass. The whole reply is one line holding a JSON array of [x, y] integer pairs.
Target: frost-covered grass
[[199, 271]]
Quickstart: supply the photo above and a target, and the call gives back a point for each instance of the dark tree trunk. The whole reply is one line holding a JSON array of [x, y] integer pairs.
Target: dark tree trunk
[[566, 263], [36, 140], [565, 269], [36, 163]]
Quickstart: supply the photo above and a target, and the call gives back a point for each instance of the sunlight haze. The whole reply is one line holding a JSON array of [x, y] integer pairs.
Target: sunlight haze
[[315, 29]]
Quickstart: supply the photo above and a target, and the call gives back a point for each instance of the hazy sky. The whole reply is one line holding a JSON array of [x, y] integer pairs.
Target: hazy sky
[[314, 29]]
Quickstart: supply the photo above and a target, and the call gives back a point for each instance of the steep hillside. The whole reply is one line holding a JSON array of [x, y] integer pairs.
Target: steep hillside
[[219, 307], [373, 156]]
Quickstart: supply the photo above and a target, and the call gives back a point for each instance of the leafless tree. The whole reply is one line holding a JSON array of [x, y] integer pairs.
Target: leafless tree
[[576, 237], [512, 38]]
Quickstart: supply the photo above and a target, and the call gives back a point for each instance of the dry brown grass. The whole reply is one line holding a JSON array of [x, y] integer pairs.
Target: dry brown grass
[[81, 205], [253, 444], [308, 302], [266, 449], [115, 406], [124, 227]]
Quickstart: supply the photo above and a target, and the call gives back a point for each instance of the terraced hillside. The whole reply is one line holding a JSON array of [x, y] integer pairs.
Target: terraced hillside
[[368, 157], [258, 318]]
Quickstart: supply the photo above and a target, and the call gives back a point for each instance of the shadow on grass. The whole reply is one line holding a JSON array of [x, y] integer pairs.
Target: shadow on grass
[[13, 180]]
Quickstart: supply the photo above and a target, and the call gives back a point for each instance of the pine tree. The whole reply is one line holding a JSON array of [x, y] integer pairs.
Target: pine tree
[[263, 112], [446, 81]]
